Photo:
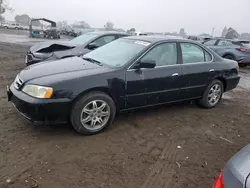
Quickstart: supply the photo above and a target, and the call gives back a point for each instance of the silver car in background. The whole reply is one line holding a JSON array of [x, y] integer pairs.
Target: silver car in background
[[236, 173], [238, 50]]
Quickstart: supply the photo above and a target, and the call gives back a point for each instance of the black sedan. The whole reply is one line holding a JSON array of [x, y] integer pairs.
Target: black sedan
[[48, 51], [129, 73]]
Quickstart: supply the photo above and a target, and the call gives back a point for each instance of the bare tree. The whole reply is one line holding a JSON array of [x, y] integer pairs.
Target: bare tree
[[224, 32], [3, 8], [81, 24], [245, 36], [109, 26], [23, 19], [2, 19], [232, 33], [132, 30], [62, 24]]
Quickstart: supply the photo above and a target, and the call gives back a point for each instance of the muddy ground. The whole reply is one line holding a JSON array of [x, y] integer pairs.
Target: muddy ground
[[172, 146]]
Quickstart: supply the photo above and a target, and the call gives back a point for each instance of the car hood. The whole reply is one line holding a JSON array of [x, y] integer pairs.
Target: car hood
[[51, 46], [59, 67], [78, 50]]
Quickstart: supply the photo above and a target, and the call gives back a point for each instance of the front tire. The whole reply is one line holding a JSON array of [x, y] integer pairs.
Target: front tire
[[92, 113], [212, 95]]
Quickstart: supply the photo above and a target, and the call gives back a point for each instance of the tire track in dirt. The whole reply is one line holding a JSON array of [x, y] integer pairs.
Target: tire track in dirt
[[163, 170]]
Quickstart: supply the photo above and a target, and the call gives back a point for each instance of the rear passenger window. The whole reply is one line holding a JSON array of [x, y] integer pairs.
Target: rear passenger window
[[208, 57], [192, 53], [210, 42], [224, 43]]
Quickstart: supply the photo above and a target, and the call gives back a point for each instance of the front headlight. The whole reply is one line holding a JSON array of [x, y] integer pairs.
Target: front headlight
[[38, 91], [42, 55]]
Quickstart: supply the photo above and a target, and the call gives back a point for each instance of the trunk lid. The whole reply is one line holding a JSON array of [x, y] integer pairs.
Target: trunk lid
[[237, 169]]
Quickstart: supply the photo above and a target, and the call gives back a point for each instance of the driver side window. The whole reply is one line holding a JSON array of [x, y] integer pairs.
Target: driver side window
[[163, 54], [104, 40]]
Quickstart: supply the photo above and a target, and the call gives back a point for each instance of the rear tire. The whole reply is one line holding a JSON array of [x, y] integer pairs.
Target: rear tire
[[229, 57], [212, 94], [92, 113]]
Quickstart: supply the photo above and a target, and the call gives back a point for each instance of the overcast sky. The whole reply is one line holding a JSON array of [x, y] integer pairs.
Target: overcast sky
[[196, 16]]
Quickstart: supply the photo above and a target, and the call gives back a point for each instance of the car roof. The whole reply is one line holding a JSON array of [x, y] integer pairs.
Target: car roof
[[108, 32], [235, 40], [222, 38], [154, 39]]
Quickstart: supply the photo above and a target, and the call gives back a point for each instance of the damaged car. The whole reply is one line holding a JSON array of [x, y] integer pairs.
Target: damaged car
[[48, 51], [128, 73]]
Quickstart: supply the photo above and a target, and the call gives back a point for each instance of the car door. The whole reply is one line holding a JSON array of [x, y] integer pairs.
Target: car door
[[198, 70], [149, 86]]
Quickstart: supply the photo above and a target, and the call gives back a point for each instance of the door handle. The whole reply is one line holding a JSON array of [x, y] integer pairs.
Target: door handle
[[211, 70], [175, 74]]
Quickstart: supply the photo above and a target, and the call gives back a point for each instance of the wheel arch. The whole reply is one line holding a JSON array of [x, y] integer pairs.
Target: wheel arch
[[229, 53], [104, 90], [223, 80]]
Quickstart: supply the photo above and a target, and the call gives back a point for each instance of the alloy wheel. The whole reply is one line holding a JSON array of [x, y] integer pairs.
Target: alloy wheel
[[214, 94], [95, 115]]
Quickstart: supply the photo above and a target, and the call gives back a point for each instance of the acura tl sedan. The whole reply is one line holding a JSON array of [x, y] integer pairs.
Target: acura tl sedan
[[236, 173], [48, 51], [128, 73]]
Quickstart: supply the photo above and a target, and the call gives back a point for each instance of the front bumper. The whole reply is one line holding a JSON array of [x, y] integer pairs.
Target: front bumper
[[232, 82], [39, 111], [30, 59]]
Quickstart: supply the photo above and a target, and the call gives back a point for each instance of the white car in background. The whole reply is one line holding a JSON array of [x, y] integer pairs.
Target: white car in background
[[12, 26]]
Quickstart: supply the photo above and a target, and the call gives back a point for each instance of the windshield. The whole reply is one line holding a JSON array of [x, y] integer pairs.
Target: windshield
[[118, 53], [83, 39]]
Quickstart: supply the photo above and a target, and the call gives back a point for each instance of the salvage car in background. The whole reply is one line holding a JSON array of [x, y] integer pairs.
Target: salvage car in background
[[128, 73], [236, 174], [81, 45], [200, 39], [238, 50]]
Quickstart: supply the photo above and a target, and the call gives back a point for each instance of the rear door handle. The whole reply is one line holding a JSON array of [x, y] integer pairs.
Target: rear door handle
[[211, 70], [175, 74]]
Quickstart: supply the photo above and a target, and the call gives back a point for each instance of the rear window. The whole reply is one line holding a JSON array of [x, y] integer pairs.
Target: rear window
[[210, 42], [246, 44]]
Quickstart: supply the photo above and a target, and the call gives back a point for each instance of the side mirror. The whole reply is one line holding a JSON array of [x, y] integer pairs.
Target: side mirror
[[148, 63], [92, 46]]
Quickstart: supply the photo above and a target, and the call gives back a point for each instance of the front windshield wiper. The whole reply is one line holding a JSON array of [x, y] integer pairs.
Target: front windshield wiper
[[92, 60]]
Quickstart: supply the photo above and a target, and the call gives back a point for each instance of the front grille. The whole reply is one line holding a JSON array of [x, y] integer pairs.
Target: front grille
[[29, 57], [18, 82]]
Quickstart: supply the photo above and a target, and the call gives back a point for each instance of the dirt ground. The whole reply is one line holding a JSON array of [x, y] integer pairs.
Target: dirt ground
[[22, 37], [172, 146]]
